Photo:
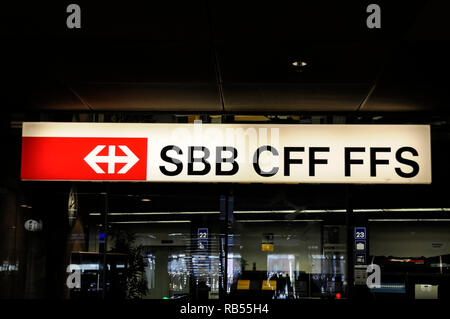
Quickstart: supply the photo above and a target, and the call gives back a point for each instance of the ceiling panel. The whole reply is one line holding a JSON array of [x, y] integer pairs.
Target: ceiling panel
[[150, 96], [159, 57], [294, 97], [415, 78]]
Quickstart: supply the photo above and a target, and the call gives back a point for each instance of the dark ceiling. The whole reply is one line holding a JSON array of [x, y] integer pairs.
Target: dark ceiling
[[226, 56]]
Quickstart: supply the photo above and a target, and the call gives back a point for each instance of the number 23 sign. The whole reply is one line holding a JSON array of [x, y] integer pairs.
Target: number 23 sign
[[360, 232]]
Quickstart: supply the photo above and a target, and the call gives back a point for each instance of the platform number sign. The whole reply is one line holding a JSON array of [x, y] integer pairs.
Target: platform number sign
[[202, 238], [360, 245], [360, 233]]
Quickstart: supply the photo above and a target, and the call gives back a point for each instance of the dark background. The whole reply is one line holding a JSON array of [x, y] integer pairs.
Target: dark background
[[225, 56], [149, 61]]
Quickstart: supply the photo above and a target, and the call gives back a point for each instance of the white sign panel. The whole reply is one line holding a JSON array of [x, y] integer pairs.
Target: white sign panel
[[227, 153]]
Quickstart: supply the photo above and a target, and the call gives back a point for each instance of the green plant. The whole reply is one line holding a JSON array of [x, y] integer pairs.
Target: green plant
[[135, 283], [244, 263]]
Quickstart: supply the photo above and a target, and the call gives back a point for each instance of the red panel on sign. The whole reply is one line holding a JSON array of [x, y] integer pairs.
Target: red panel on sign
[[84, 158]]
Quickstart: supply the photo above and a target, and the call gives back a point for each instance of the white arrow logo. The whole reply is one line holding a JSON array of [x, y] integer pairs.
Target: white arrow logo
[[92, 159]]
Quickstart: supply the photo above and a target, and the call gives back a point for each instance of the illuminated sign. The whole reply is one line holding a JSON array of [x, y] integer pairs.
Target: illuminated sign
[[266, 247], [33, 225], [226, 153], [269, 285], [243, 284], [202, 234], [360, 245]]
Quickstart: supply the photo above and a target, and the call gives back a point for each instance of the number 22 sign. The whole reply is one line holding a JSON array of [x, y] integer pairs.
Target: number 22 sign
[[202, 238]]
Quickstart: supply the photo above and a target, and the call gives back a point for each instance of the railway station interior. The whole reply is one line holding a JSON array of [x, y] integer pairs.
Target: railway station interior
[[224, 63]]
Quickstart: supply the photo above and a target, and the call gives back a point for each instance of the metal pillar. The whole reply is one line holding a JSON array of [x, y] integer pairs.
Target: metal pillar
[[105, 244], [349, 223]]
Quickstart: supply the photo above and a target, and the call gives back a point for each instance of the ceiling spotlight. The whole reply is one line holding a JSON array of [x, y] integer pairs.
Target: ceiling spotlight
[[299, 65], [146, 200]]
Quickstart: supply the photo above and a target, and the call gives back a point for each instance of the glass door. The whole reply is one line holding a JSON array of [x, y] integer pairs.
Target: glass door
[[285, 244]]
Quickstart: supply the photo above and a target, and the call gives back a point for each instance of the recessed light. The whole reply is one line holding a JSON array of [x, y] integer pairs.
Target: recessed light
[[299, 65], [146, 200]]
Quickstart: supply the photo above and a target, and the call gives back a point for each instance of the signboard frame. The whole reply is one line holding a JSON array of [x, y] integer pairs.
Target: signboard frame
[[242, 153]]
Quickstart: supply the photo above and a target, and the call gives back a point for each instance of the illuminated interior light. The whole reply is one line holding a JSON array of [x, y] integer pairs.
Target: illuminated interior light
[[153, 222], [414, 209], [376, 210], [306, 211], [251, 118], [156, 213], [274, 220], [409, 220], [264, 211]]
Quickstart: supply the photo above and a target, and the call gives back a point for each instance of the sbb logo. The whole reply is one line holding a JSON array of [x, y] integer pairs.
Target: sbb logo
[[84, 158], [93, 159]]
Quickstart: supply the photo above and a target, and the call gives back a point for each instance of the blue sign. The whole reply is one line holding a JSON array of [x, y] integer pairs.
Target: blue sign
[[202, 234], [360, 245], [101, 237], [360, 233]]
